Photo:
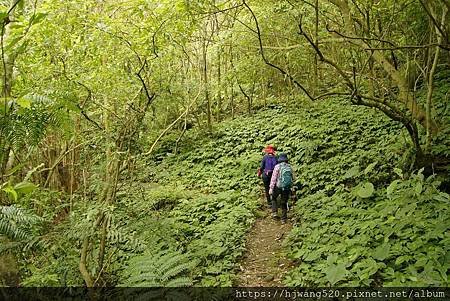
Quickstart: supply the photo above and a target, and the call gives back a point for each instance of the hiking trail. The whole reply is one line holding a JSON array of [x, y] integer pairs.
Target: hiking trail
[[263, 263]]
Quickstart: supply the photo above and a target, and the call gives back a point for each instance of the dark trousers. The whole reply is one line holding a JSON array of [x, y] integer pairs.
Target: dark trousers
[[266, 181], [284, 200]]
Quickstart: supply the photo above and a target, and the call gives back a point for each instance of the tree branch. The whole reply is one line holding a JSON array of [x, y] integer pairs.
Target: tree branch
[[442, 46], [172, 124], [261, 49], [433, 19], [150, 98]]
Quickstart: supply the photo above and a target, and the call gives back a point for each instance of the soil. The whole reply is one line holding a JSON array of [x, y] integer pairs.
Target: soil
[[263, 263]]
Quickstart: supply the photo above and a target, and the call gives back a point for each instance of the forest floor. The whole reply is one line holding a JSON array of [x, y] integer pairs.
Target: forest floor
[[263, 263]]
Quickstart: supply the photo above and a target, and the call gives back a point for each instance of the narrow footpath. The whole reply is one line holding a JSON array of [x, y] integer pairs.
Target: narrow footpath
[[263, 263]]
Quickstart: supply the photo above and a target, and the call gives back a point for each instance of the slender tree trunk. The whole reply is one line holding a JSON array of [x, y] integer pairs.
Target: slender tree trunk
[[430, 82], [205, 81], [8, 61], [316, 40], [219, 82]]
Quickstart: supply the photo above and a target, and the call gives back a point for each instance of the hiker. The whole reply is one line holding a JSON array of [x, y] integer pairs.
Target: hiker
[[281, 184], [265, 171]]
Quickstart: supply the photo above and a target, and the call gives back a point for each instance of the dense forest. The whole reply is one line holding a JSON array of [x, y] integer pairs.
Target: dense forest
[[131, 134]]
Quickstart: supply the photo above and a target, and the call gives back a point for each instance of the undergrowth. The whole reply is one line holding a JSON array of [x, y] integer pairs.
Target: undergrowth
[[354, 225]]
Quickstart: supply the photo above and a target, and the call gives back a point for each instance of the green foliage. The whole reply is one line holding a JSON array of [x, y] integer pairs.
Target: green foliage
[[165, 269], [212, 229], [398, 237], [325, 157], [17, 191], [440, 145], [147, 198], [209, 229], [345, 159], [328, 145], [82, 80], [18, 224]]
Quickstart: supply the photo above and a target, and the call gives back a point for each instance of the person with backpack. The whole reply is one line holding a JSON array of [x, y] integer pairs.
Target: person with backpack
[[281, 183], [265, 171]]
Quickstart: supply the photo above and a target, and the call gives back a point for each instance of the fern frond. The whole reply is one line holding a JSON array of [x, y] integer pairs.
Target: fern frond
[[169, 262], [38, 99], [179, 282], [156, 270], [18, 215], [144, 277], [176, 270], [15, 222], [9, 229]]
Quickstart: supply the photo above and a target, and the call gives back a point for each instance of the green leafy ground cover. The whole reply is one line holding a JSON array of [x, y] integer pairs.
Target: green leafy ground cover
[[361, 220]]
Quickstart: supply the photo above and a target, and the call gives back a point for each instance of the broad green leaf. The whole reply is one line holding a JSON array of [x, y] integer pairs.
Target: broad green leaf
[[420, 174], [312, 256], [365, 190], [392, 187], [370, 167], [25, 187], [402, 259], [331, 259], [382, 251], [24, 103], [418, 188], [352, 172], [336, 273], [12, 194]]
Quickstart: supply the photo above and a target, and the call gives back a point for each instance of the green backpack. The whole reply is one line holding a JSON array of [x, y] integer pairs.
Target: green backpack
[[285, 178]]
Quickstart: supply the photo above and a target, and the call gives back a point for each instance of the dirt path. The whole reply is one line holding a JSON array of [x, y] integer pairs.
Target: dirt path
[[263, 264]]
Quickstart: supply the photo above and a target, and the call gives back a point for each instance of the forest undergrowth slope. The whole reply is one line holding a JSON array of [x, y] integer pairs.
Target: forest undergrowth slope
[[361, 218], [384, 226]]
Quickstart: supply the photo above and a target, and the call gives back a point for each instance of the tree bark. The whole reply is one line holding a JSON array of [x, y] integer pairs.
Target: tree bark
[[430, 83], [205, 81], [404, 95]]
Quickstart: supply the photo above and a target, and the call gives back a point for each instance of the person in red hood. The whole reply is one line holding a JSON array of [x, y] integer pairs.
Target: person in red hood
[[265, 170]]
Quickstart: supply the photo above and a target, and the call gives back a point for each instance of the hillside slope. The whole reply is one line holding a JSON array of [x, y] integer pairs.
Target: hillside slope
[[345, 157], [183, 220]]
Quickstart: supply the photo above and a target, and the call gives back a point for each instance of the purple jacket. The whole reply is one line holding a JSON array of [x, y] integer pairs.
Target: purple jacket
[[268, 163]]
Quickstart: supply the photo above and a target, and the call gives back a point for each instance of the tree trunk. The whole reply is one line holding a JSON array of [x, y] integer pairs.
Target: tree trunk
[[430, 84], [316, 40], [205, 81]]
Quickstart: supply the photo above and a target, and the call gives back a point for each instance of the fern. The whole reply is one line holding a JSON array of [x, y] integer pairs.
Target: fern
[[16, 223], [29, 120], [159, 270], [179, 282]]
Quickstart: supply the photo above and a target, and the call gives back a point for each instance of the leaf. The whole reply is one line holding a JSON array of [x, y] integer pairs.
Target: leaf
[[382, 251], [25, 187], [418, 188], [332, 258], [3, 15], [36, 18], [352, 172], [336, 273], [392, 187], [365, 190], [402, 259], [399, 172], [370, 167], [312, 256], [12, 194], [24, 103]]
